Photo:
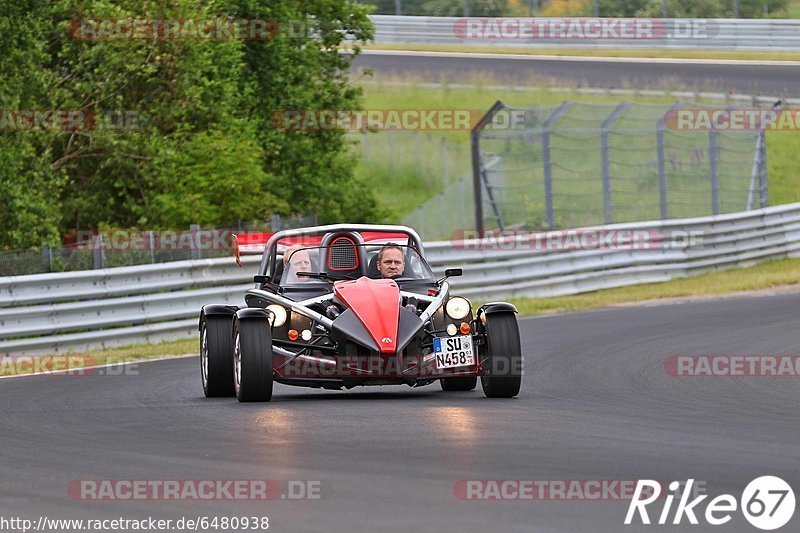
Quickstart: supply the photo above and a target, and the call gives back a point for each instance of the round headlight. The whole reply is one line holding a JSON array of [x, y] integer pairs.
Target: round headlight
[[278, 315], [458, 308]]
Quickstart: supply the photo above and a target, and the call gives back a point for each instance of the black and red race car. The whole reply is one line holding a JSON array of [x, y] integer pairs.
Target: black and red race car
[[342, 306]]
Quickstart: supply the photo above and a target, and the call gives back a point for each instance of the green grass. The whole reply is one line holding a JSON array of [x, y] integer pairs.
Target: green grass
[[754, 55], [74, 360], [402, 183], [770, 274]]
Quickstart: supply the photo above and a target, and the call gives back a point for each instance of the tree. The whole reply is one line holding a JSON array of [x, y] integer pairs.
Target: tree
[[302, 69], [203, 149]]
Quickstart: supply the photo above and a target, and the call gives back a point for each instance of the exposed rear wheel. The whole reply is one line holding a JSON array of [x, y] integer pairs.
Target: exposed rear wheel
[[252, 359], [502, 367], [216, 356], [459, 384]]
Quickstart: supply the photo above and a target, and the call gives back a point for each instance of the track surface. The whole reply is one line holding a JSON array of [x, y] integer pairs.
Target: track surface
[[596, 404], [779, 80]]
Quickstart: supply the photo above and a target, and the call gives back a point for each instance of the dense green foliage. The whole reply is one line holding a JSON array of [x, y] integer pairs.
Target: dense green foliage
[[199, 144]]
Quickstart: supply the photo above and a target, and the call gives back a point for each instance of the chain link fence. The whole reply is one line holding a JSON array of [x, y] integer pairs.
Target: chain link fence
[[577, 164], [92, 249]]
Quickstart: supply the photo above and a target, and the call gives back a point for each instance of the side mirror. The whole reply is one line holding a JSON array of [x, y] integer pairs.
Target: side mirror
[[450, 272]]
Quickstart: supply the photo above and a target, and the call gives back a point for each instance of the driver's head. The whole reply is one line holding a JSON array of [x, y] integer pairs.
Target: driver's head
[[298, 260], [391, 261]]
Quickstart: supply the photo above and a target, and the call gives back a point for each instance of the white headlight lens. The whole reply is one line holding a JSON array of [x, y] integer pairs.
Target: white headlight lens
[[306, 335], [451, 329], [278, 315], [458, 308]]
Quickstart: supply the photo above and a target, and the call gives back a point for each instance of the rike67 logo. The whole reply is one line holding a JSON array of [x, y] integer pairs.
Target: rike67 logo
[[767, 503]]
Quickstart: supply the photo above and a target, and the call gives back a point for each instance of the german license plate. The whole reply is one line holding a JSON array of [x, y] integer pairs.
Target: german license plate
[[453, 351]]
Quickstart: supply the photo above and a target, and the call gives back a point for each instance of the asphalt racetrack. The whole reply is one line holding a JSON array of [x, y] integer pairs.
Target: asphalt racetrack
[[746, 77], [596, 404]]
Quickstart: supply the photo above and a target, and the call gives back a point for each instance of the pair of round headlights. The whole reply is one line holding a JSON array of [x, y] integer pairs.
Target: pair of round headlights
[[457, 308]]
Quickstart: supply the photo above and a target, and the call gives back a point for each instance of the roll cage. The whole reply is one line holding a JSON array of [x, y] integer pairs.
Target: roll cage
[[325, 236]]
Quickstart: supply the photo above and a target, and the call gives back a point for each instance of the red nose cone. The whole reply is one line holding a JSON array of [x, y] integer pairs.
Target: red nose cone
[[376, 303]]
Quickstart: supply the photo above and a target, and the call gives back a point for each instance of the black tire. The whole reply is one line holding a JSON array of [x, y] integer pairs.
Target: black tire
[[502, 371], [459, 384], [252, 359], [216, 356]]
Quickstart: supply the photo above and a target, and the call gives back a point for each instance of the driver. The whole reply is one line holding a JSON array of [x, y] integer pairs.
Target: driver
[[391, 261], [297, 258]]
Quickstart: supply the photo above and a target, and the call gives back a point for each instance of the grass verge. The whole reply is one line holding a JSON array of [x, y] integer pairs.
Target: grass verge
[[75, 360], [767, 275]]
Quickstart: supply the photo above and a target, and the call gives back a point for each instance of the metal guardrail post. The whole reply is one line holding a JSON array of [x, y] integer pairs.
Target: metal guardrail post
[[712, 158], [604, 129], [547, 162]]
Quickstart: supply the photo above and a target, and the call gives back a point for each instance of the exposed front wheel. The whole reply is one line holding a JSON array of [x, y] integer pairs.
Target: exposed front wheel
[[216, 356], [502, 364], [459, 384], [252, 359]]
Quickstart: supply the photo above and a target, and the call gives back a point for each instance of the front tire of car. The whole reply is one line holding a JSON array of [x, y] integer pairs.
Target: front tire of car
[[459, 384], [252, 359], [216, 356], [502, 365]]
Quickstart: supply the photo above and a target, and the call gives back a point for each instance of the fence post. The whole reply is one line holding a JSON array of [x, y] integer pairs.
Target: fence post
[[390, 141], [47, 258], [151, 244], [662, 156], [99, 256], [607, 123], [417, 154], [275, 223], [445, 163], [762, 175], [194, 230], [712, 158], [475, 145], [547, 127]]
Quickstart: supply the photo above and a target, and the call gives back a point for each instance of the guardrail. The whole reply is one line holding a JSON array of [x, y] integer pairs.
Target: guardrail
[[724, 34], [51, 313]]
